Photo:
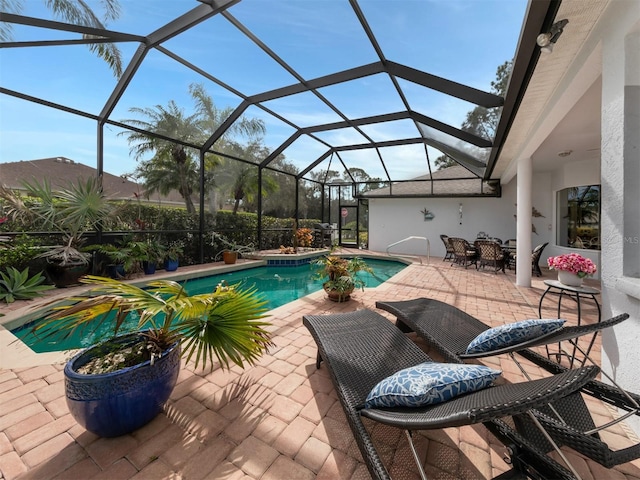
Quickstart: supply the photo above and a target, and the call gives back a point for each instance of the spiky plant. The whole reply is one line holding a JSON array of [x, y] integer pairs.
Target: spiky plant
[[225, 324], [18, 285]]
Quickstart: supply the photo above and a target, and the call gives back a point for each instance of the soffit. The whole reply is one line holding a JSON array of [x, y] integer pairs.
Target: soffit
[[547, 76]]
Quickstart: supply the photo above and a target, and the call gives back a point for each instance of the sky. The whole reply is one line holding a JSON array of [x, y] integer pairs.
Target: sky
[[461, 40]]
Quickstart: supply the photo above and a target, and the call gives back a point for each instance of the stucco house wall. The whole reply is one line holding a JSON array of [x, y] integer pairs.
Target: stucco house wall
[[619, 31], [392, 220]]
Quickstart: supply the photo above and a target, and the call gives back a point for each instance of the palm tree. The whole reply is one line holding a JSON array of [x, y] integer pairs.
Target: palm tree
[[76, 12], [174, 166], [240, 179]]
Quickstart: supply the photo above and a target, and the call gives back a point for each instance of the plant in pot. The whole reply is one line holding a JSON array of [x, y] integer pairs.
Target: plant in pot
[[121, 384], [342, 275], [73, 210], [153, 254], [125, 259], [231, 250], [172, 255]]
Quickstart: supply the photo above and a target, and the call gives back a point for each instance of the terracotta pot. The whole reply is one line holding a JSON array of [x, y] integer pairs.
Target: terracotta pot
[[229, 257], [339, 297]]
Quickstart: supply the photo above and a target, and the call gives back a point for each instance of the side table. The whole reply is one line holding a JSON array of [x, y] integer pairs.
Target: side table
[[554, 287]]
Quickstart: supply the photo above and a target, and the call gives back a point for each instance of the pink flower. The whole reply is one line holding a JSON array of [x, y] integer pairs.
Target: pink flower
[[574, 263]]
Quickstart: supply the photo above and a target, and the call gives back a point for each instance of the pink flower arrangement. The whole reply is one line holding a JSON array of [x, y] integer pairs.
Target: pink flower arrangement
[[574, 263]]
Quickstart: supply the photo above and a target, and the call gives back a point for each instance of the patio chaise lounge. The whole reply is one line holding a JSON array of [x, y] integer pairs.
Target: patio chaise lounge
[[362, 348], [449, 330]]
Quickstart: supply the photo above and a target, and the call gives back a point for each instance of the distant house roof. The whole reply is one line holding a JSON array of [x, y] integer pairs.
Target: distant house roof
[[446, 182], [60, 170]]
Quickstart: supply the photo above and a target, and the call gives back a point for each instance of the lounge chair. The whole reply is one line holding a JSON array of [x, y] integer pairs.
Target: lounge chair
[[449, 330], [362, 348]]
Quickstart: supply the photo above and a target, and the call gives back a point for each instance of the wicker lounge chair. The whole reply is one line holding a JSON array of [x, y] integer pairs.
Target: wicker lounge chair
[[449, 331], [361, 348]]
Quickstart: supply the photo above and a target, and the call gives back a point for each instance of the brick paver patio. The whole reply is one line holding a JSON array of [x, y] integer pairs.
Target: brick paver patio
[[281, 418]]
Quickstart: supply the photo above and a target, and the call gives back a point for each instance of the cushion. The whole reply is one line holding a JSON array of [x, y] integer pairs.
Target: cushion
[[512, 334], [429, 383]]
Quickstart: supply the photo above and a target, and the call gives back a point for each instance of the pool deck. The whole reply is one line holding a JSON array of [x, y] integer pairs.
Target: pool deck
[[281, 418]]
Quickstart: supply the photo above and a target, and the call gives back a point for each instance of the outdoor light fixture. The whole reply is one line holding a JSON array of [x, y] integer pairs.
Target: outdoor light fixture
[[460, 212], [546, 40]]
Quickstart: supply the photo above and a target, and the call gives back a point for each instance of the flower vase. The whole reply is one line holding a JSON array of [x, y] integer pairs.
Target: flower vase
[[570, 279]]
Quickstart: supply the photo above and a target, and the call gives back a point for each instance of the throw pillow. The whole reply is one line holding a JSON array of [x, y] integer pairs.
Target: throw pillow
[[429, 383], [512, 334]]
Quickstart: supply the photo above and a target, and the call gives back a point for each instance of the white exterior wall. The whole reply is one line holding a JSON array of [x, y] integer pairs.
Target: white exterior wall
[[392, 220], [619, 30]]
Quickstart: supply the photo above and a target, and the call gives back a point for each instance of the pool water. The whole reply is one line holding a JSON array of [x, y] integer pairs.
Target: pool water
[[278, 285]]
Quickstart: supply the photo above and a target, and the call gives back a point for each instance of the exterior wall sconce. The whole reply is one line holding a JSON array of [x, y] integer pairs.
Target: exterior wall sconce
[[460, 211], [546, 40], [428, 216]]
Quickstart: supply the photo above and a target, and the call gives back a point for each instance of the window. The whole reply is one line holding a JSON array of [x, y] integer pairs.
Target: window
[[579, 217]]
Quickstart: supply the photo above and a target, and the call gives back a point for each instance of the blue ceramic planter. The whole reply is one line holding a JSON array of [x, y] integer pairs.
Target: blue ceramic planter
[[149, 268], [113, 404], [171, 265]]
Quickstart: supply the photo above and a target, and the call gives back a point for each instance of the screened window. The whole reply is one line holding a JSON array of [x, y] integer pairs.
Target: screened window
[[579, 217]]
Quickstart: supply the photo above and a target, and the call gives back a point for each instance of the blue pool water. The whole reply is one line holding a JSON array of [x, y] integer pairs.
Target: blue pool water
[[278, 285]]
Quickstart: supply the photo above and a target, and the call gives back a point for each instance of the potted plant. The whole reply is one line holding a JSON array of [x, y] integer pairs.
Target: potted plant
[[153, 254], [342, 275], [125, 258], [231, 250], [172, 255], [572, 268], [119, 385], [74, 210]]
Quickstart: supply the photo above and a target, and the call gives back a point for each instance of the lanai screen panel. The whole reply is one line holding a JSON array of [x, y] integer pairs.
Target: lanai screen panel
[[391, 130], [223, 51], [303, 109], [404, 162], [303, 150], [365, 97], [449, 39], [314, 37]]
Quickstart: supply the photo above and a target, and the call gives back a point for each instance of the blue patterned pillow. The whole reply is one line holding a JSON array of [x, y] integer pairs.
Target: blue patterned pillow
[[429, 383], [512, 334]]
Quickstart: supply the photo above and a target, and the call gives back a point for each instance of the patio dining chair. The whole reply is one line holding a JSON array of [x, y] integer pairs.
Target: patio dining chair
[[490, 253], [449, 255], [536, 253], [465, 254]]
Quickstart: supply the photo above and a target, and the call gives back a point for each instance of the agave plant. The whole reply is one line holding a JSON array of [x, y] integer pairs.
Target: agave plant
[[225, 324], [17, 285]]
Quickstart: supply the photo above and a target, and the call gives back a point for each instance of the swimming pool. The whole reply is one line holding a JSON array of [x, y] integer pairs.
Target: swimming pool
[[279, 285]]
